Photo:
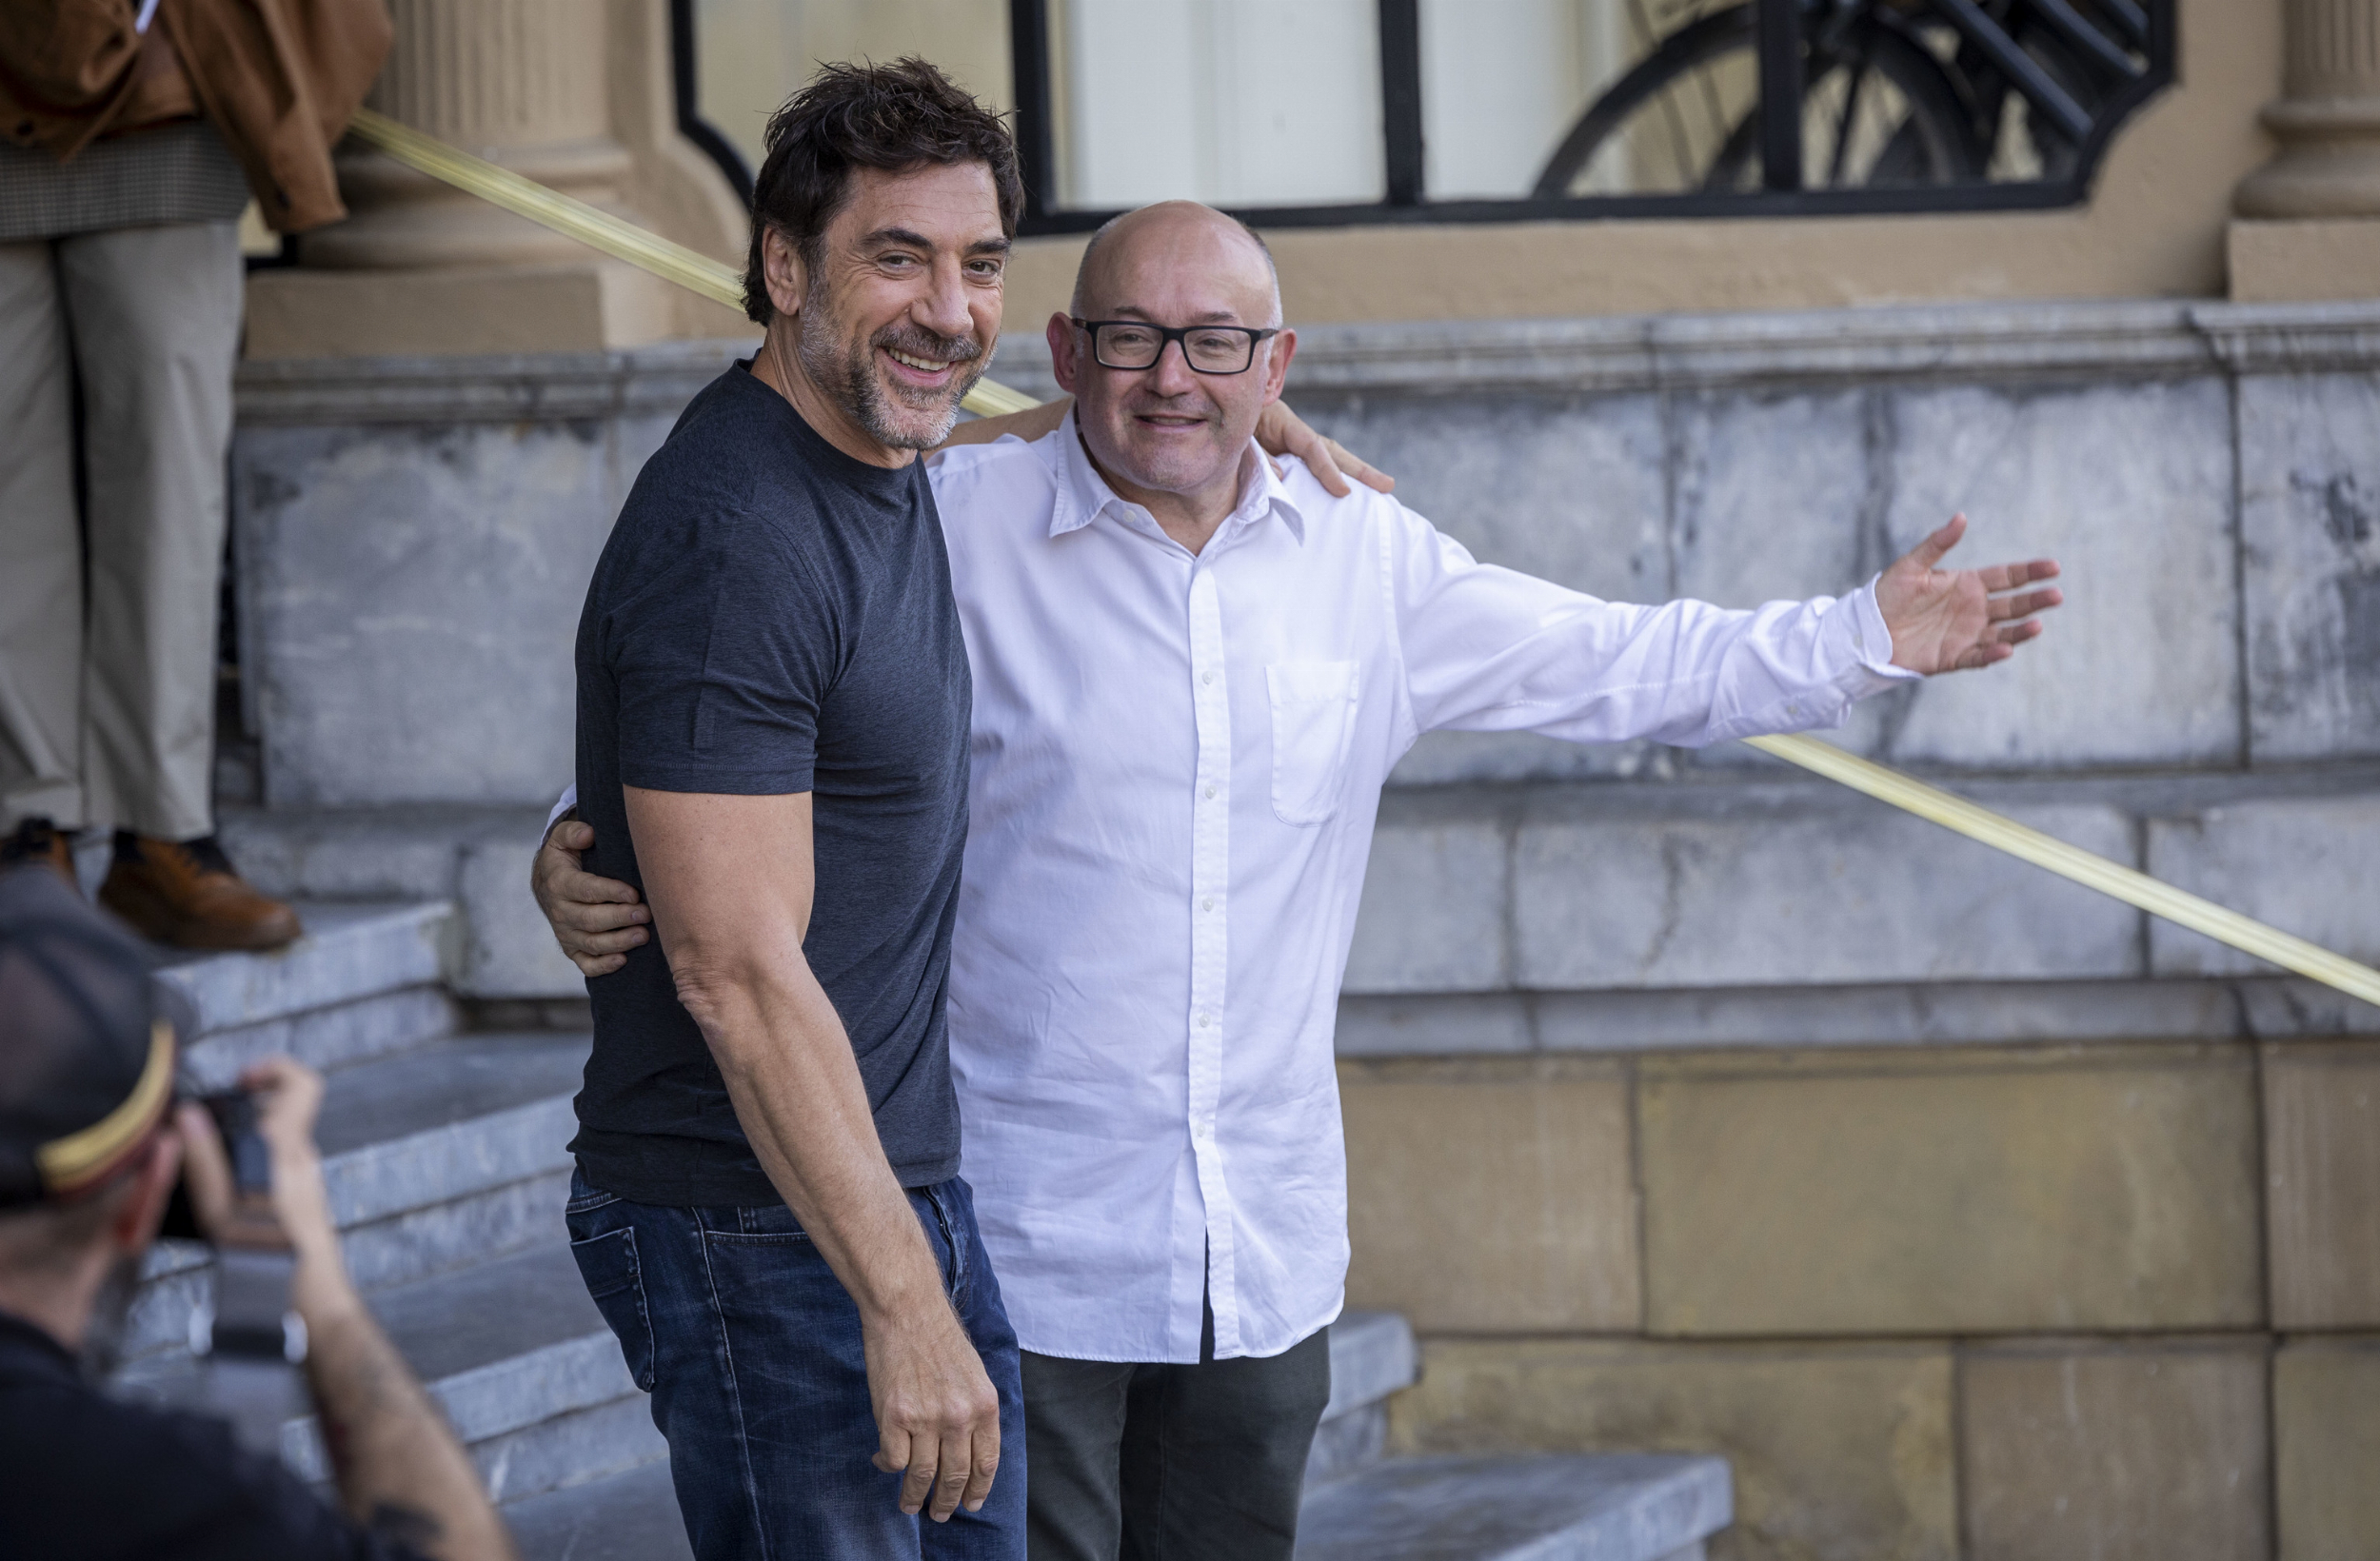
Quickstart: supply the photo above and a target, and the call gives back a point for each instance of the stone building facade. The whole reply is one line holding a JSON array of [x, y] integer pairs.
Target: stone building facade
[[1692, 1104]]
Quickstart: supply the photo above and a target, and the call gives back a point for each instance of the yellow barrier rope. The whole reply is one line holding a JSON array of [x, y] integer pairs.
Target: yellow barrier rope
[[699, 273]]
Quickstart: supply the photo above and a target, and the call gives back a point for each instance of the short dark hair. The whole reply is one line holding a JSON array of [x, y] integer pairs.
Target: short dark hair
[[895, 117]]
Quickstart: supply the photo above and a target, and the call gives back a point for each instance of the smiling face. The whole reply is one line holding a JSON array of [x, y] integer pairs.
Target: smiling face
[[901, 316], [1168, 429]]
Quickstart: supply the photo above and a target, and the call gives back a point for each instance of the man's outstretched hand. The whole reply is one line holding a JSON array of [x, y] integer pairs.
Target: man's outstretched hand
[[1957, 619]]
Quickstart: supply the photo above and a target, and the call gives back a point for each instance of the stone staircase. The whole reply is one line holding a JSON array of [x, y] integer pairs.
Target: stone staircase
[[443, 1153]]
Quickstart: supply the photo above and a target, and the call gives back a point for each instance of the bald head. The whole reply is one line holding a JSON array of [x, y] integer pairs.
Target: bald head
[[1126, 255]]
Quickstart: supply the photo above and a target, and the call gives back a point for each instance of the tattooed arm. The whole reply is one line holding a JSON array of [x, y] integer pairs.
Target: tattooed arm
[[399, 1469]]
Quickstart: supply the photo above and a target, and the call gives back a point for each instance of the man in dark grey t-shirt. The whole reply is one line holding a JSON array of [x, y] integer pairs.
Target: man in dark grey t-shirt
[[773, 711]]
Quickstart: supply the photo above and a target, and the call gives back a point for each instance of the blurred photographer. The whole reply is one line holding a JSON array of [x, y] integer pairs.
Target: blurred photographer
[[91, 1143]]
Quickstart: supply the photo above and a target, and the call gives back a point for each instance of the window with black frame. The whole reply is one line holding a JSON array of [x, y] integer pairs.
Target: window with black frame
[[1317, 113]]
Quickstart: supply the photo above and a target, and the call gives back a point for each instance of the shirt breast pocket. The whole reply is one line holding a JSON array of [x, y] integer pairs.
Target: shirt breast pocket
[[1314, 724]]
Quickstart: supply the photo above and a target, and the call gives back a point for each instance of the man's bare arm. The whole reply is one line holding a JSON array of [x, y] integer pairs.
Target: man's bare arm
[[730, 881], [398, 1466]]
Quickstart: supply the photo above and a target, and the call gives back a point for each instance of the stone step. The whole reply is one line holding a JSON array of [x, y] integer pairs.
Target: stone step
[[524, 1367], [518, 1359], [448, 1119], [363, 981], [435, 1157], [476, 857], [1372, 1356], [629, 1516], [1617, 1507], [634, 1516], [1611, 1506]]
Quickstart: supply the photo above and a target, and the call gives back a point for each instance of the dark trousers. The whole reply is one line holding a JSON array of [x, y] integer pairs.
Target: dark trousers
[[751, 1349], [1171, 1463]]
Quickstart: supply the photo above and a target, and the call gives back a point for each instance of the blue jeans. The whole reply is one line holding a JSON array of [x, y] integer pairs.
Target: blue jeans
[[751, 1349]]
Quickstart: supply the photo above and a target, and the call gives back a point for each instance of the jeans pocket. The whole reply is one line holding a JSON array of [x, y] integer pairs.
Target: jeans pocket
[[608, 1265]]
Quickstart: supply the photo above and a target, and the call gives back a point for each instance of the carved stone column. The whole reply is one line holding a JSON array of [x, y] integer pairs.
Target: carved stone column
[[2312, 228], [420, 268], [519, 81]]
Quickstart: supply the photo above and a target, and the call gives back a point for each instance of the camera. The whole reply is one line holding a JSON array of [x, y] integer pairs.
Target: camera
[[234, 1114]]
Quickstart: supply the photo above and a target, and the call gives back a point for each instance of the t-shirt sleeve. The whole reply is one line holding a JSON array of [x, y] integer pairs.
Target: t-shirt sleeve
[[722, 656]]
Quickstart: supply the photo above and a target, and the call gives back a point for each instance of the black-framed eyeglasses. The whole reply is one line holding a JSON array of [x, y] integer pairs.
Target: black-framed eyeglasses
[[1208, 349]]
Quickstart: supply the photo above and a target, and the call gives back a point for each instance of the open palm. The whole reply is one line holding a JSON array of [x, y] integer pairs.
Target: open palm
[[1957, 619]]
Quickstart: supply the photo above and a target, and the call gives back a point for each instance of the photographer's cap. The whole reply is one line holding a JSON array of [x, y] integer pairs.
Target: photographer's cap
[[88, 1041]]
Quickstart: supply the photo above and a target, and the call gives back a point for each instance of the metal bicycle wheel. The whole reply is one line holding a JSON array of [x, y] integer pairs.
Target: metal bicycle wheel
[[1877, 108]]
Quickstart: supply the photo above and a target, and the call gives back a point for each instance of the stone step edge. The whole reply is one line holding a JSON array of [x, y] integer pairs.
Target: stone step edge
[[492, 1173], [351, 950], [1541, 1507], [1685, 1500], [1372, 1356]]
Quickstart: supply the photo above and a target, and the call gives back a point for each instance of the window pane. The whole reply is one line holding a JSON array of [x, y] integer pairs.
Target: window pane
[[1503, 82], [1234, 102], [752, 54]]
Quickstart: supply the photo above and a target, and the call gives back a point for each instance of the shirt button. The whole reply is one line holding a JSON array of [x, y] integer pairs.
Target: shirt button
[[1207, 904], [1210, 793], [1206, 676], [1205, 1020]]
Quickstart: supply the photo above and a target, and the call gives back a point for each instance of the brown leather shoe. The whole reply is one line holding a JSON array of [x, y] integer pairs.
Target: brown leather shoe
[[38, 839], [188, 894]]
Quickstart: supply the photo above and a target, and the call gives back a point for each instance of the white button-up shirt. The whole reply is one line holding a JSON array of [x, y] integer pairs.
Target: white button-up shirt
[[1177, 762]]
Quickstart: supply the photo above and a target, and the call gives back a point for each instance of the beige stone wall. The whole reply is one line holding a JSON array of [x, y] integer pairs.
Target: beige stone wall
[[2117, 1301], [2156, 225]]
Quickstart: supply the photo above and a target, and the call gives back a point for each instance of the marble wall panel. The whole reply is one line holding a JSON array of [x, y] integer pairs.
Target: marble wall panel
[[409, 600], [1432, 918], [1758, 896], [1570, 490], [2309, 525], [1781, 494], [2130, 487], [2305, 864]]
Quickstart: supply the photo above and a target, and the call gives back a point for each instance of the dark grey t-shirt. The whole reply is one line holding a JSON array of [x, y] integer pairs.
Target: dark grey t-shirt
[[771, 616]]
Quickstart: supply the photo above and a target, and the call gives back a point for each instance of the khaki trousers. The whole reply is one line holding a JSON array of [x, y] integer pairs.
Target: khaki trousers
[[107, 616]]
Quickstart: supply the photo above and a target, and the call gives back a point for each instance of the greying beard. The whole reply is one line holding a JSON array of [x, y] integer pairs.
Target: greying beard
[[102, 1349], [850, 381]]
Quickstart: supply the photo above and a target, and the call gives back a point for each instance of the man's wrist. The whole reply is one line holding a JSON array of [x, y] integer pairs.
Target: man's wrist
[[904, 1303]]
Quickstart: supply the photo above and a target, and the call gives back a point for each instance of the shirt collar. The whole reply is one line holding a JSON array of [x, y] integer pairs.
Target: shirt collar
[[1083, 493]]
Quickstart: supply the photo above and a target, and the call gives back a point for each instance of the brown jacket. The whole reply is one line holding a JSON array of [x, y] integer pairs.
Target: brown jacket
[[280, 79]]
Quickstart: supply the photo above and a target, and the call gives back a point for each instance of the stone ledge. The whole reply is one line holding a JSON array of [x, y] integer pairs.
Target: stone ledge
[[1886, 1014], [2121, 339], [505, 388]]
